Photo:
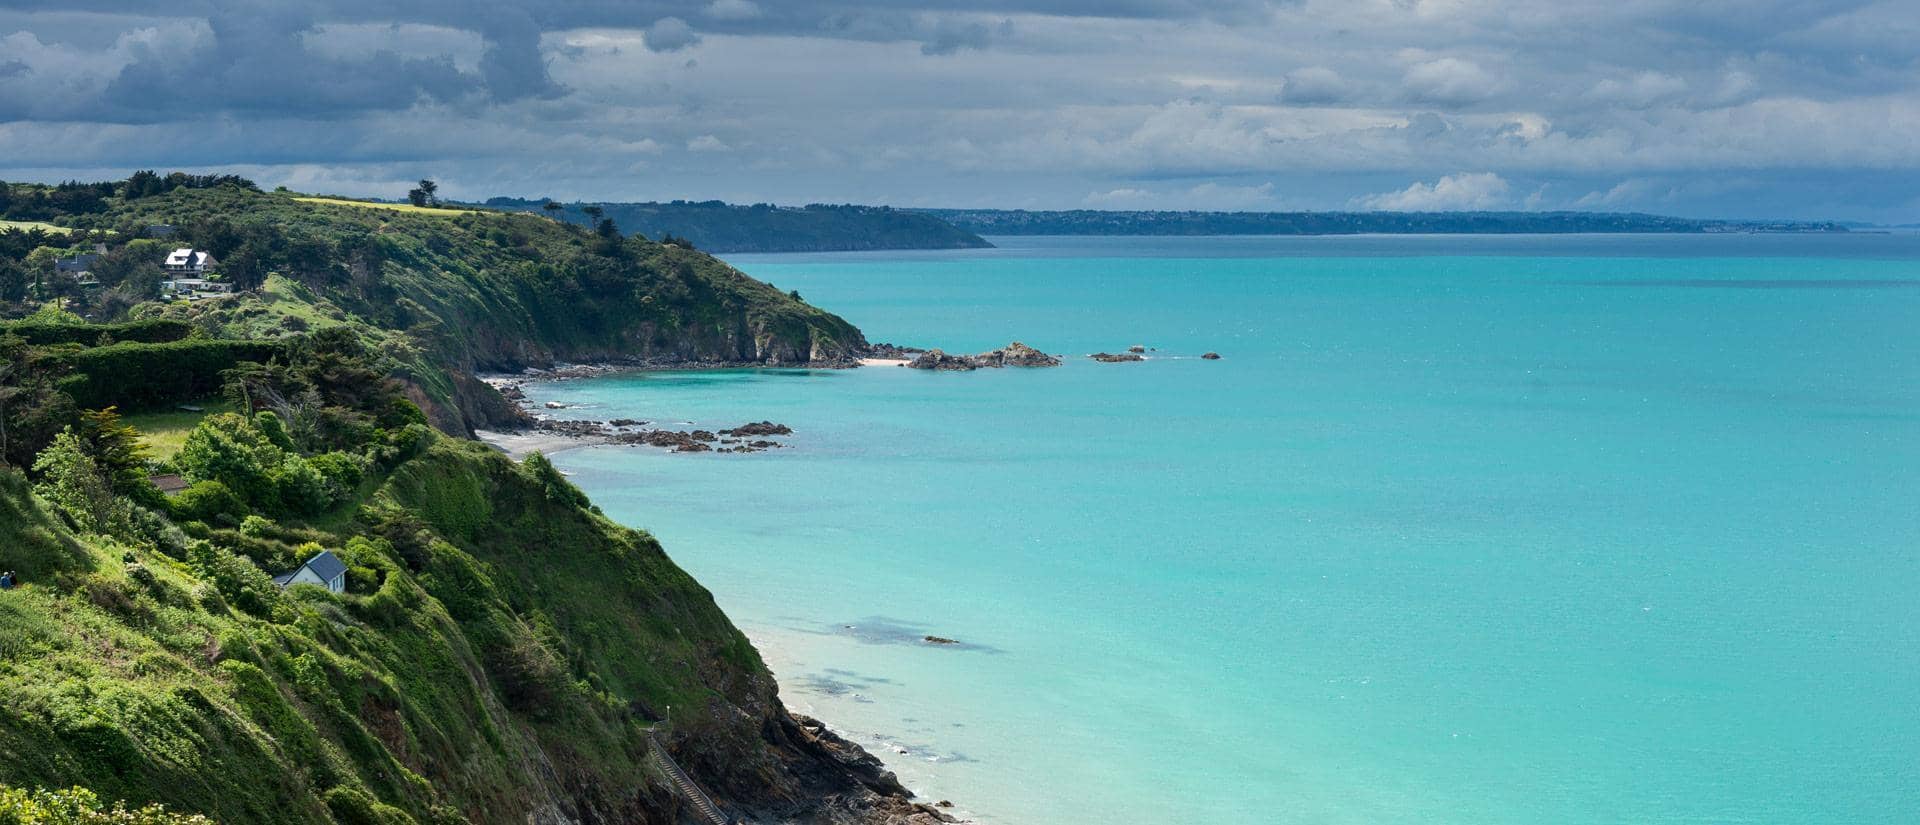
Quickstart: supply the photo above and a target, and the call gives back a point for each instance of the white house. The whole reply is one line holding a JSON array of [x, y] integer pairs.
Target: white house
[[188, 262], [325, 569]]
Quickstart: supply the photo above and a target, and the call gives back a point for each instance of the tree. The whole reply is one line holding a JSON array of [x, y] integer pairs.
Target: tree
[[593, 212], [75, 485], [552, 207], [425, 195]]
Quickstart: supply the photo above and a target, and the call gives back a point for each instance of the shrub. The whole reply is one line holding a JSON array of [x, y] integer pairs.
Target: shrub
[[207, 501], [229, 449], [352, 806], [237, 580], [79, 806]]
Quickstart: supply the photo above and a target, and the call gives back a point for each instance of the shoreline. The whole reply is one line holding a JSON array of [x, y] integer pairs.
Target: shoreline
[[546, 434]]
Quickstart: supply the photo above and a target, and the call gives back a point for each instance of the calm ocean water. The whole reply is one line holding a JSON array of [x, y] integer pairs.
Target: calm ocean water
[[1461, 530]]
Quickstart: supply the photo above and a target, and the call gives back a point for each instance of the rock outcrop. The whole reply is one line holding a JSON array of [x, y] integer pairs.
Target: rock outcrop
[[1211, 356], [1015, 354], [1115, 358]]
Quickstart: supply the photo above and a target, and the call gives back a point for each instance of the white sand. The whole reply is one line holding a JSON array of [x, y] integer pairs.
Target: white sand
[[518, 445], [883, 362]]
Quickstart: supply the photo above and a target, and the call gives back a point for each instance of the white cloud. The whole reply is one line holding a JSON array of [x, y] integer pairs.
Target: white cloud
[[1449, 81], [1209, 196], [707, 143], [1463, 191]]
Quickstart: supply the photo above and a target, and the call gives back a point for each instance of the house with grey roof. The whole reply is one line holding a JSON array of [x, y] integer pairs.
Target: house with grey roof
[[78, 268], [325, 570]]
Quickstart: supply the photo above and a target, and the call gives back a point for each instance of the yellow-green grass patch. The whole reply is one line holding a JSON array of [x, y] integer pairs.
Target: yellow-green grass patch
[[164, 431], [30, 225], [393, 207]]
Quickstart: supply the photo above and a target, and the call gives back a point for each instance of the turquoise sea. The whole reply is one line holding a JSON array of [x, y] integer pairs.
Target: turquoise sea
[[1537, 530]]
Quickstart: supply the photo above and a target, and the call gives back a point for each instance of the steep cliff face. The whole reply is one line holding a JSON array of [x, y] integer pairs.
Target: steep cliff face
[[500, 657]]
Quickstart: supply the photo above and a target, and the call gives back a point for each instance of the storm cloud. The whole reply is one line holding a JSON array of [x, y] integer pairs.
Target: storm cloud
[[1789, 108]]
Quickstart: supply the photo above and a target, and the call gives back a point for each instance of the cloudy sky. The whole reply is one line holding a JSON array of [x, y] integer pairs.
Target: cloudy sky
[[1736, 108]]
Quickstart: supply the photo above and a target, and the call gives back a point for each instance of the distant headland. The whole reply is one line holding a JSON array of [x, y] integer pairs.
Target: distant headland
[[1099, 222]]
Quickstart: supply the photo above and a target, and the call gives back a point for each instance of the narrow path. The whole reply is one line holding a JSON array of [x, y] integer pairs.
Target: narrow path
[[702, 803]]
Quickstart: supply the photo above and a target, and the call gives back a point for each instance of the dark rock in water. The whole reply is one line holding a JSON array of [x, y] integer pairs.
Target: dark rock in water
[[892, 352], [759, 428], [625, 422], [939, 360], [1211, 356], [943, 804], [940, 640], [1015, 354], [1113, 358], [692, 447], [1137, 348]]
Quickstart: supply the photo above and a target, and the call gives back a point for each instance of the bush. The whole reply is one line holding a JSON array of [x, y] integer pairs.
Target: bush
[[238, 581], [79, 806], [352, 806], [302, 489]]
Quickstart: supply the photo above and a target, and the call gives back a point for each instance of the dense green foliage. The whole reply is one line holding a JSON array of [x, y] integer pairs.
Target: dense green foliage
[[497, 657], [1097, 222], [151, 331], [79, 806], [438, 294], [762, 227], [140, 375]]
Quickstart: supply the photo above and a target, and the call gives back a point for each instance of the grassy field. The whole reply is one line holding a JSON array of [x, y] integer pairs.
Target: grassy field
[[26, 225], [393, 207], [164, 432]]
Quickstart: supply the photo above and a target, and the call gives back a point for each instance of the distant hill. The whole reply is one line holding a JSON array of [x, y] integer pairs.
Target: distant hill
[[716, 226], [1095, 222]]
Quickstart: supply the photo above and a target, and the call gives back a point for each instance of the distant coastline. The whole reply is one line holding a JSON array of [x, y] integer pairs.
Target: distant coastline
[[716, 226], [1100, 222]]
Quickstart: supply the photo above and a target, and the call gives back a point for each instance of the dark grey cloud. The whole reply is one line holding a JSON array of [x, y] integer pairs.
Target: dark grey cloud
[[1656, 104]]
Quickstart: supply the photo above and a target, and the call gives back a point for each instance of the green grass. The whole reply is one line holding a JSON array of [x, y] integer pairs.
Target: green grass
[[41, 225], [164, 432], [395, 207]]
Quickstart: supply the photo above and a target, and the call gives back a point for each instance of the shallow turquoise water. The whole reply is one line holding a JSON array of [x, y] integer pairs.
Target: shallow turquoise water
[[1541, 530]]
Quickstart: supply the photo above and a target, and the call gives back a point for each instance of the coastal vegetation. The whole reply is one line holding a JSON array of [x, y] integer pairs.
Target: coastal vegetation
[[716, 226], [501, 651], [440, 294]]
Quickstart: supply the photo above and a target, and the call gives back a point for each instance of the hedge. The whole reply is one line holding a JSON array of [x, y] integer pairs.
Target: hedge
[[134, 376], [150, 331]]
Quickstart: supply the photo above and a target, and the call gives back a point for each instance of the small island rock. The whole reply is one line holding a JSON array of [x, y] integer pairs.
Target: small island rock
[[1115, 358], [1211, 356]]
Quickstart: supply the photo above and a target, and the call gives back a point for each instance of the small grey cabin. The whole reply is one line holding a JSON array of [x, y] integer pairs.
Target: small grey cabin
[[325, 569]]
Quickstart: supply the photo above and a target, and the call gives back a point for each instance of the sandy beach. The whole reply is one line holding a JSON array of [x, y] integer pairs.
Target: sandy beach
[[519, 445], [883, 362]]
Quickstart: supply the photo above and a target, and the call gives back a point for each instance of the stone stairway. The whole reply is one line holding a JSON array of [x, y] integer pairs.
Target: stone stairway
[[702, 804]]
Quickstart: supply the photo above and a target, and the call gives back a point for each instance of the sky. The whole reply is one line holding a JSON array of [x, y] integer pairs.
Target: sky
[[1804, 109]]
